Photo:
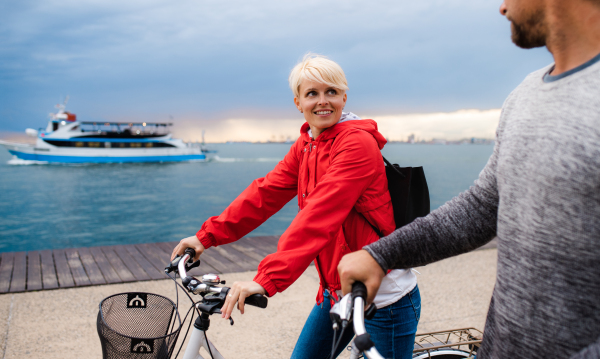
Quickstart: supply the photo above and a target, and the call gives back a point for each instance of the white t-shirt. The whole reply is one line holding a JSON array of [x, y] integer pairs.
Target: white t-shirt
[[395, 285]]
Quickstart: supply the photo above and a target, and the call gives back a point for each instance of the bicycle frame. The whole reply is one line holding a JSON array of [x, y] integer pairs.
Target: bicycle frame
[[209, 305], [198, 340]]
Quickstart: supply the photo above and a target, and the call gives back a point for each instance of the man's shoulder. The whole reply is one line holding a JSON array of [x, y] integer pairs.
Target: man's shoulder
[[536, 76]]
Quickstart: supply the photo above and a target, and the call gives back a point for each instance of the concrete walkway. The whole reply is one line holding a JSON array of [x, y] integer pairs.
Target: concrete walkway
[[62, 323]]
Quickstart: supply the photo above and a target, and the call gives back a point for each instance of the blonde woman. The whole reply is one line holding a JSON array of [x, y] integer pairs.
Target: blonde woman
[[336, 171]]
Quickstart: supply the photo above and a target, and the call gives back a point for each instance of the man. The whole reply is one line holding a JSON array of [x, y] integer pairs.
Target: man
[[539, 194]]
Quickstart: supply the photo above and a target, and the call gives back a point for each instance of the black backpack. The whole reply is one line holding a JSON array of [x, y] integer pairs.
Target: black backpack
[[409, 192]]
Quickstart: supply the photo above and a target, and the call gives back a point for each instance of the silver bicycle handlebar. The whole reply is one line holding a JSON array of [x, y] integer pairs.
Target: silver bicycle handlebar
[[195, 286], [359, 326]]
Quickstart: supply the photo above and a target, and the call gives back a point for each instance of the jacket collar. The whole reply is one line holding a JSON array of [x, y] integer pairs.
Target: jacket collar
[[344, 124]]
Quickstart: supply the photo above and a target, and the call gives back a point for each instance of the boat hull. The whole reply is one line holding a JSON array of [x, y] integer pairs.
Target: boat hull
[[59, 155]]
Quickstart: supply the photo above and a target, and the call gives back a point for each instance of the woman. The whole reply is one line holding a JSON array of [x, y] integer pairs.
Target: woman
[[336, 170]]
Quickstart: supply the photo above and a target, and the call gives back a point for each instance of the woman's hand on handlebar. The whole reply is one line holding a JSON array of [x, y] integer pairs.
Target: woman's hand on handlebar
[[189, 242], [238, 293], [360, 266]]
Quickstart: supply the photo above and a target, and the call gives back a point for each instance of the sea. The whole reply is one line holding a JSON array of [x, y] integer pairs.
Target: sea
[[50, 206]]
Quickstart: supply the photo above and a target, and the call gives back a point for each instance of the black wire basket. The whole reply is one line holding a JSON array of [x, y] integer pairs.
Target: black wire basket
[[138, 326]]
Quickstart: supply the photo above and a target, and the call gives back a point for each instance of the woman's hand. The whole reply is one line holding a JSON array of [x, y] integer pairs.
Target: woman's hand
[[189, 242], [239, 292]]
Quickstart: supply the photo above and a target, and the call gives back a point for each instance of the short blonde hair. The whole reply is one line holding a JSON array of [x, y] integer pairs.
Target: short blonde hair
[[319, 69]]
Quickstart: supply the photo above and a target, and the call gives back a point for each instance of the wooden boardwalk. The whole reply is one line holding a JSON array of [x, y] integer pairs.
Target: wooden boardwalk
[[78, 267]]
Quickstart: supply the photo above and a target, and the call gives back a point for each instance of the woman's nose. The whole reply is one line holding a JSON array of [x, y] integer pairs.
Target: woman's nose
[[503, 9], [323, 100]]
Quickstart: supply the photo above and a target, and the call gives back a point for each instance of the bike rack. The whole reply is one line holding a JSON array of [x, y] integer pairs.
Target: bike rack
[[464, 339]]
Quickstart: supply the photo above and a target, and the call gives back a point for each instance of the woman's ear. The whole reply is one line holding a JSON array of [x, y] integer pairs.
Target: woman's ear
[[297, 102]]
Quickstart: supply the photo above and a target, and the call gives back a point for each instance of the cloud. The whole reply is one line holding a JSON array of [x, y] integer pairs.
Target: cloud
[[154, 58], [425, 126]]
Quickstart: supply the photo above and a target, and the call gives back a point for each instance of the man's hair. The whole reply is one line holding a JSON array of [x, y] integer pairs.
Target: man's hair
[[320, 69]]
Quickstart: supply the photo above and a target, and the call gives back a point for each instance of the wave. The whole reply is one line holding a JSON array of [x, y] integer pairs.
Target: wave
[[15, 161], [259, 159]]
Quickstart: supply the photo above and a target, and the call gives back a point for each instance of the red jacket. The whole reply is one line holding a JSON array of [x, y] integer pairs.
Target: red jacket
[[340, 182]]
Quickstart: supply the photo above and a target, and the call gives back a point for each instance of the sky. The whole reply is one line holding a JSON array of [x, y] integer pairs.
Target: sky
[[431, 66]]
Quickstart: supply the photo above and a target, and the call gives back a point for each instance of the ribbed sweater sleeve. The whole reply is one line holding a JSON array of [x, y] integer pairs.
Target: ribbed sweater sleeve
[[466, 222]]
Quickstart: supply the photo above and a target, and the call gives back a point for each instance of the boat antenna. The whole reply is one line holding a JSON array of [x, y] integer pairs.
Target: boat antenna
[[203, 138]]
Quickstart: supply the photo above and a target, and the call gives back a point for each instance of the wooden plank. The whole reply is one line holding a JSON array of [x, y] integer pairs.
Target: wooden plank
[[238, 257], [118, 265], [155, 256], [49, 280], [248, 250], [224, 264], [144, 263], [34, 271], [269, 243], [63, 272], [79, 275], [91, 268], [204, 267], [133, 266], [6, 269], [110, 275], [257, 246], [19, 276]]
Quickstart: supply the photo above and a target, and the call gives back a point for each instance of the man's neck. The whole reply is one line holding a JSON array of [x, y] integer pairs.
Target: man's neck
[[574, 35]]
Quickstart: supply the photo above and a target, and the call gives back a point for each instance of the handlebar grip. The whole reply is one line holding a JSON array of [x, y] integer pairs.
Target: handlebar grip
[[257, 300], [359, 290], [191, 252]]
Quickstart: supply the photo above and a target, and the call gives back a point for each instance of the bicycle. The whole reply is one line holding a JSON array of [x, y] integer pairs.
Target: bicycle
[[350, 309], [447, 344]]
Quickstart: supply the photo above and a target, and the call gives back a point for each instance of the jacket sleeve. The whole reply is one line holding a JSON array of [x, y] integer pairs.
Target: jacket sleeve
[[350, 172], [259, 201]]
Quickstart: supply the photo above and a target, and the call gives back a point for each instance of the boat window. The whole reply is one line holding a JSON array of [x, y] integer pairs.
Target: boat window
[[54, 126], [75, 128], [149, 144], [94, 144], [107, 144], [78, 144]]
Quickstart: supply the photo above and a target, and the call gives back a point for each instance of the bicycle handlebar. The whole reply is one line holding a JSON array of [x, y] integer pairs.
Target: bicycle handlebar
[[208, 284], [352, 308]]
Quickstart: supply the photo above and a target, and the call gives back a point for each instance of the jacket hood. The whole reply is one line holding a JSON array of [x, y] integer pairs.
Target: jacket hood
[[348, 121]]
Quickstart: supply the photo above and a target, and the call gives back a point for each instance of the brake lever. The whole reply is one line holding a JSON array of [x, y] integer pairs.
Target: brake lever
[[172, 265], [371, 311], [193, 265]]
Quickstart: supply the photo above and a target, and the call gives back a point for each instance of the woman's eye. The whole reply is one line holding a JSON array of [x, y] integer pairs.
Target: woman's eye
[[311, 93], [332, 92]]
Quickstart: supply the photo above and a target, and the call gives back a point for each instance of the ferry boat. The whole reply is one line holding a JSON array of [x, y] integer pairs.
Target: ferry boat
[[66, 140]]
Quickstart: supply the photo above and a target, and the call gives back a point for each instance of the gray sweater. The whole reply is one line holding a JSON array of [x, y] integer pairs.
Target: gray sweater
[[540, 194]]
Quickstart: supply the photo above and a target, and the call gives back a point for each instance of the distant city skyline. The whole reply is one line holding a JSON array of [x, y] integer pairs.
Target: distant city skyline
[[213, 63]]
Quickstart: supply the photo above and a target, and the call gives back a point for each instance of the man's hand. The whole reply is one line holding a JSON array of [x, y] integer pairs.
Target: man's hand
[[189, 242], [360, 266]]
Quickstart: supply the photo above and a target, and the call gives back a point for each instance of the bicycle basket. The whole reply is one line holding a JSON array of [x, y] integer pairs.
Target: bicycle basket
[[138, 326]]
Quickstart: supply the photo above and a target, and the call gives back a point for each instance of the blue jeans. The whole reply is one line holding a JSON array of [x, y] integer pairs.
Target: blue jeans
[[392, 330]]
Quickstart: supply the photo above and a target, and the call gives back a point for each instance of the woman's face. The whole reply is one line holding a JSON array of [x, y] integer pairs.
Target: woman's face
[[321, 104]]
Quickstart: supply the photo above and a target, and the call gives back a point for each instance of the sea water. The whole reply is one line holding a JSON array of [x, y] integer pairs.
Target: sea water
[[49, 206]]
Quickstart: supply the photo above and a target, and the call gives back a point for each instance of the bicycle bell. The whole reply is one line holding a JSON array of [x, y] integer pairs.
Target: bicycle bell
[[211, 279]]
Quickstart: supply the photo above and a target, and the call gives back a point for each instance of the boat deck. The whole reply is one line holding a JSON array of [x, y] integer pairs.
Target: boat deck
[[78, 267]]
